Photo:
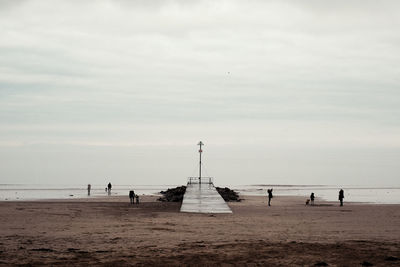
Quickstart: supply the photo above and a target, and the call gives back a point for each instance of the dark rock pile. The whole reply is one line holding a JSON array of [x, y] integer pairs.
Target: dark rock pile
[[391, 258], [228, 194], [173, 194], [321, 263]]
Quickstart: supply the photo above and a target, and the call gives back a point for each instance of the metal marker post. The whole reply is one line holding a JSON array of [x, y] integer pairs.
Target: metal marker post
[[200, 151]]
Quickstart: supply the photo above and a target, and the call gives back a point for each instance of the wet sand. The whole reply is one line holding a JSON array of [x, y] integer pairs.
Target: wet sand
[[110, 231]]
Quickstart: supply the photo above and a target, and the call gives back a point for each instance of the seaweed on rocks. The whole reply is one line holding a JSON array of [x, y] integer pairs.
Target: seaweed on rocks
[[228, 194], [173, 194]]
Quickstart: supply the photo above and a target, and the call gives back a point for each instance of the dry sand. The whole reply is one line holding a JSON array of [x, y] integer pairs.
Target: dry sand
[[109, 231]]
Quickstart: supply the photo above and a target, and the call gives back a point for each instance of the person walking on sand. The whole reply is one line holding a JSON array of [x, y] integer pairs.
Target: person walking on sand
[[341, 196], [132, 196], [109, 186], [269, 196], [88, 189], [137, 199], [312, 197]]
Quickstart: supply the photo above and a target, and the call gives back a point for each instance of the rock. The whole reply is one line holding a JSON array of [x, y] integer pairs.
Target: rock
[[321, 263], [391, 258], [228, 194], [173, 194]]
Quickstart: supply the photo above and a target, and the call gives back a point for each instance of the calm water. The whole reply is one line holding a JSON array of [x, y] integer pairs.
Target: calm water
[[384, 195]]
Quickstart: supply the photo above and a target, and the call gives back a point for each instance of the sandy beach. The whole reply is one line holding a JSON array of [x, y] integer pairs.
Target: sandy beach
[[110, 231]]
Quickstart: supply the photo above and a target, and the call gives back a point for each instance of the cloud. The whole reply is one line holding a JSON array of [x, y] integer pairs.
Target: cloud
[[129, 73], [232, 59]]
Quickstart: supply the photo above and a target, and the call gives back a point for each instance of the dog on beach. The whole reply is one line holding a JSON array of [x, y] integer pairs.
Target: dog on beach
[[307, 202]]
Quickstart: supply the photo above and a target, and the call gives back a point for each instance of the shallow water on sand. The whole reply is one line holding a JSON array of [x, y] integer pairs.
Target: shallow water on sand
[[12, 192], [378, 195]]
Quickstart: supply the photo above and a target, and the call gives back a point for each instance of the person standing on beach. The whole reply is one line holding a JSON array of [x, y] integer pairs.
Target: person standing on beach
[[132, 196], [269, 196], [88, 189], [341, 196], [109, 188], [312, 199]]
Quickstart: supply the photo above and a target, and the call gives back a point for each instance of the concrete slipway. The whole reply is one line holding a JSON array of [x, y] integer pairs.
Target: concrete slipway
[[203, 198]]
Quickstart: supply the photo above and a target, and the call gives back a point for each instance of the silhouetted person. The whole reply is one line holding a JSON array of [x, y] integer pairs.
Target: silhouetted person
[[341, 196], [269, 196], [137, 199], [88, 189], [109, 186], [312, 199], [132, 196]]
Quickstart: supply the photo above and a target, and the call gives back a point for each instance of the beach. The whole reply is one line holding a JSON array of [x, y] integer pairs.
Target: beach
[[110, 231]]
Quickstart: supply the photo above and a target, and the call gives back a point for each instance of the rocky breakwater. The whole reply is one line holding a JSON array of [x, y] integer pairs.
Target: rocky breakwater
[[173, 194], [228, 194]]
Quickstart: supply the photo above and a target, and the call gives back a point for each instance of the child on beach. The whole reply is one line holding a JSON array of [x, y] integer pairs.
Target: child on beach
[[137, 199]]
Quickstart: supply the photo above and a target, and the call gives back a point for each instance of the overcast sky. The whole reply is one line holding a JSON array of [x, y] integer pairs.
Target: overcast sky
[[280, 92]]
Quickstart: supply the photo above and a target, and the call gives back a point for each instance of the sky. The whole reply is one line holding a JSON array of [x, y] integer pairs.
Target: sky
[[280, 92]]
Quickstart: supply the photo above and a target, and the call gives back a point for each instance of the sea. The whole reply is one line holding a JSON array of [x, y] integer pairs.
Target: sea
[[362, 194]]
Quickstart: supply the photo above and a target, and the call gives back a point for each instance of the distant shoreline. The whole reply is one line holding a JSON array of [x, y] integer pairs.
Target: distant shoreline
[[374, 195], [121, 198]]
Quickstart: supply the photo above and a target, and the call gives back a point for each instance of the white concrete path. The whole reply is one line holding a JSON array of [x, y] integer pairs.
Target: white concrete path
[[203, 198]]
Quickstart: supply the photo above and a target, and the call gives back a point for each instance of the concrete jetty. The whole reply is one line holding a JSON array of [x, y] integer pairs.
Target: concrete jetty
[[203, 198]]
